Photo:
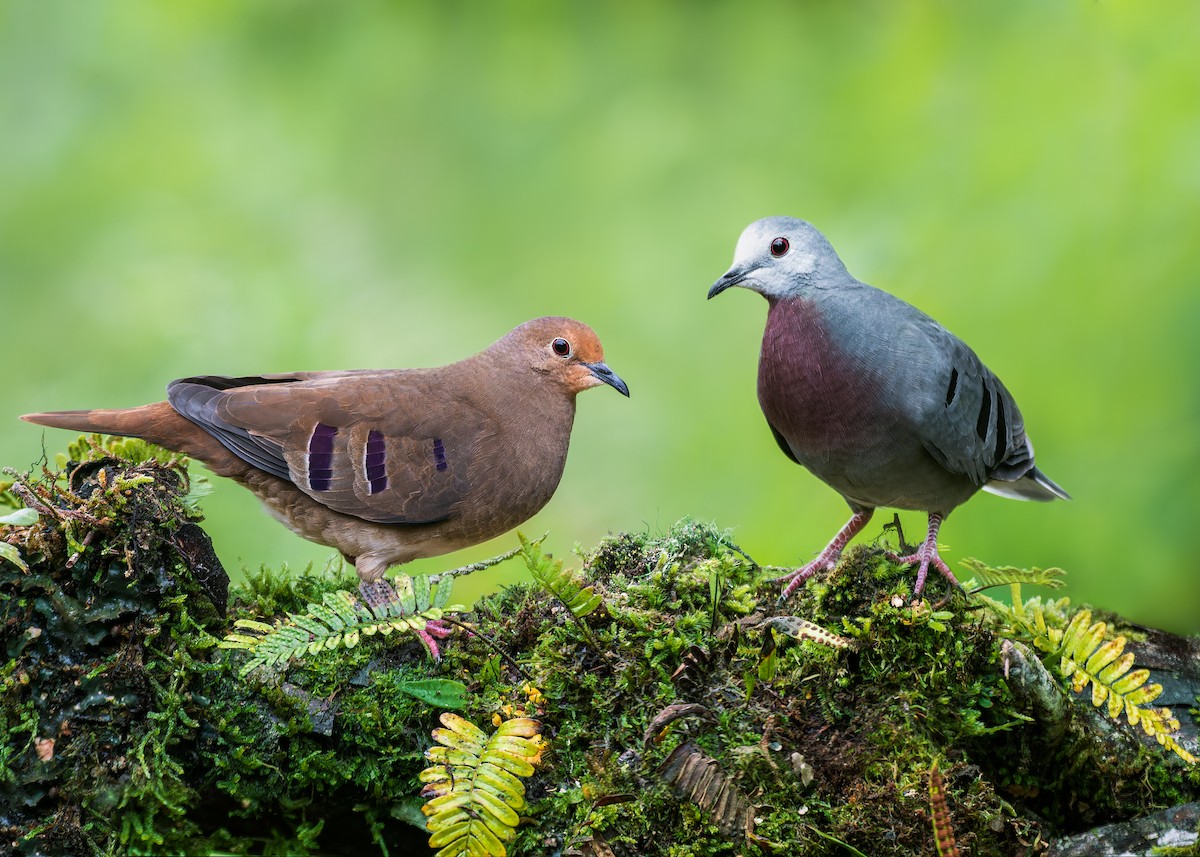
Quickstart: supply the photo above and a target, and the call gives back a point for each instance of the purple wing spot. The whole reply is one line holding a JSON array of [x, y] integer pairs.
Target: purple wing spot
[[439, 454], [373, 462], [320, 457]]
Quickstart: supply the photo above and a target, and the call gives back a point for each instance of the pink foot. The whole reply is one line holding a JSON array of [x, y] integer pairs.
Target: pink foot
[[378, 594], [827, 559], [927, 555]]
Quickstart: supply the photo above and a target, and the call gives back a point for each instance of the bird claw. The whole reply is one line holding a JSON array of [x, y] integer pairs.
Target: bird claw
[[378, 594], [923, 559], [797, 577]]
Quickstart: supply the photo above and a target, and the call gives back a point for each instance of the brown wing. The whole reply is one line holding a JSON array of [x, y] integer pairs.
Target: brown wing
[[390, 447]]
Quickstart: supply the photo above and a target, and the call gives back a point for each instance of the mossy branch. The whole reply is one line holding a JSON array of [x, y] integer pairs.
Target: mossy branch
[[122, 733]]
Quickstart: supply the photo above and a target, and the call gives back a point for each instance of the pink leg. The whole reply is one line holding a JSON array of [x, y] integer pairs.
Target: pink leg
[[927, 555], [828, 558]]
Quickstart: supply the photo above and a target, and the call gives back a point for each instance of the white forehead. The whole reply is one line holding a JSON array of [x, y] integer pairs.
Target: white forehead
[[754, 250], [750, 244]]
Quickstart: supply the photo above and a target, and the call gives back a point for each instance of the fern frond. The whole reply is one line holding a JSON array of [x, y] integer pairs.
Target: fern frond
[[1088, 657], [987, 576], [341, 620], [474, 786], [943, 830], [562, 583]]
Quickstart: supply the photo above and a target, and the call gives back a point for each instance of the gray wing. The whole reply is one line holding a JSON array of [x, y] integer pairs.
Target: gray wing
[[964, 415]]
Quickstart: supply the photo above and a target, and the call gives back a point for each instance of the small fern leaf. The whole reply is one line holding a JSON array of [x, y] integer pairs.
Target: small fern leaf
[[802, 629], [1131, 682], [1074, 632], [1104, 655], [406, 594], [987, 577], [475, 797], [339, 620], [1144, 694], [1085, 657], [562, 583]]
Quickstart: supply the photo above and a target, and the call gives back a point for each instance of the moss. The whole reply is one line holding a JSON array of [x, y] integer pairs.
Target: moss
[[158, 747]]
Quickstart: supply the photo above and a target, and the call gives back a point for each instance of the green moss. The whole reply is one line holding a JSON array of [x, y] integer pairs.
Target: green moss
[[158, 747]]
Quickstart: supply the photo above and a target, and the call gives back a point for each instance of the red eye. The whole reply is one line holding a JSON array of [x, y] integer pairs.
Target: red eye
[[779, 246], [561, 347]]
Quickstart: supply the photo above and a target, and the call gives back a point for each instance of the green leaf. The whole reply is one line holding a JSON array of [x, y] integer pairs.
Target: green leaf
[[20, 518], [11, 554], [339, 620], [440, 692]]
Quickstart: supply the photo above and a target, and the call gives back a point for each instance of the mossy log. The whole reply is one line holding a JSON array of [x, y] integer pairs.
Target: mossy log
[[685, 712]]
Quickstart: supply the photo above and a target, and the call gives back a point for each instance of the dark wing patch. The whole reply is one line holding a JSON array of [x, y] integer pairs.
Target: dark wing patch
[[952, 387], [978, 431], [984, 420], [1001, 441], [381, 462], [320, 457], [374, 462]]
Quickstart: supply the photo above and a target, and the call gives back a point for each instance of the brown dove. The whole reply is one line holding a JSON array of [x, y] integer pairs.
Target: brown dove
[[386, 465]]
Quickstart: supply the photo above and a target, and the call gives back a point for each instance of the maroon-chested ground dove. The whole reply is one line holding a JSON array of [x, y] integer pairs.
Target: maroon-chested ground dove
[[876, 398], [386, 465]]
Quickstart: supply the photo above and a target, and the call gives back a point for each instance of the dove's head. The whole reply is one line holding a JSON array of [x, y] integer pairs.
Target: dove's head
[[562, 351], [780, 257]]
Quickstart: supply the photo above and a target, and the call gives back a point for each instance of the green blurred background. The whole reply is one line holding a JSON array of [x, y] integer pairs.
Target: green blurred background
[[221, 187]]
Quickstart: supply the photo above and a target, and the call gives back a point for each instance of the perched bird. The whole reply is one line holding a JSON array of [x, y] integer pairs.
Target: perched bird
[[386, 465], [877, 399]]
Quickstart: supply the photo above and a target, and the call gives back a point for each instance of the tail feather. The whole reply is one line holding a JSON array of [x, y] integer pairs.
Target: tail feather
[[126, 422], [157, 423], [1034, 485]]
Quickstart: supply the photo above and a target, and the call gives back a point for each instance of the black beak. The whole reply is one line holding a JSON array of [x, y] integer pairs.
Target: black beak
[[608, 376], [732, 277]]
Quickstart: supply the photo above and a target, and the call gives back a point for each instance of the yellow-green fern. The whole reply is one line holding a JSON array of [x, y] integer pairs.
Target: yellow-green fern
[[1087, 654], [474, 786], [1087, 657]]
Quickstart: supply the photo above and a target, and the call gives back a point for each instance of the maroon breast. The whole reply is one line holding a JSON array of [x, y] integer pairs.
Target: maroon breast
[[811, 392]]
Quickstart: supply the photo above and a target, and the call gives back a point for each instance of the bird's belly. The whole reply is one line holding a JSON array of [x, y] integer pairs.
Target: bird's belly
[[896, 472], [499, 500]]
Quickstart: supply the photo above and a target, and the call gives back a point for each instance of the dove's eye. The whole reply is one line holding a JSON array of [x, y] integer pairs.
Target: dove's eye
[[561, 347], [779, 246]]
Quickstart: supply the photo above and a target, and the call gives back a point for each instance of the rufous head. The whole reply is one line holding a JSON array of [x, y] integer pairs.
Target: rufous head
[[564, 350]]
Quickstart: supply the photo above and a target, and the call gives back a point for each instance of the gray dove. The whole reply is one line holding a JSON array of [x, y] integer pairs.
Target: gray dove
[[873, 396]]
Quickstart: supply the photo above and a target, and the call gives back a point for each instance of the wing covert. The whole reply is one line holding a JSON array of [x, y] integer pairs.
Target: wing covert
[[374, 445]]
